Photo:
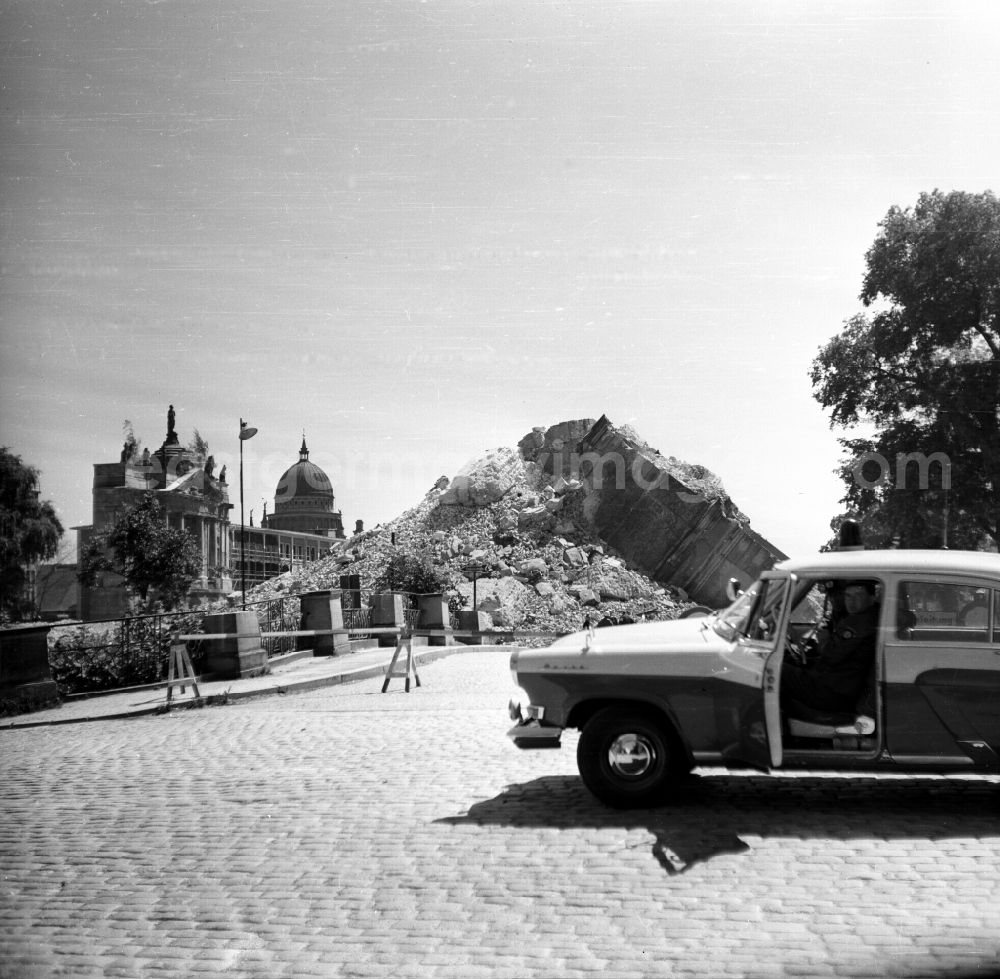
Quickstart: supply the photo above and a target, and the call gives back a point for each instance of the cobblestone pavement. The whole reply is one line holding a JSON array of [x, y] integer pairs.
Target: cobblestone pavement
[[343, 832]]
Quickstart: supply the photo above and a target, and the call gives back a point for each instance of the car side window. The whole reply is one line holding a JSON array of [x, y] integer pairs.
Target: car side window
[[931, 611]]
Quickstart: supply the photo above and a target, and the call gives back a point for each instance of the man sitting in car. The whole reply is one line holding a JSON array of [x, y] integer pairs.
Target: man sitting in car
[[836, 674]]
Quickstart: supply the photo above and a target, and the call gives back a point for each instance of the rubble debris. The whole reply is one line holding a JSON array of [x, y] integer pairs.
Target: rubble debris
[[541, 542]]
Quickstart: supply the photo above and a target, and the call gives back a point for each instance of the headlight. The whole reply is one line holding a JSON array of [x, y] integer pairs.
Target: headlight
[[520, 709]]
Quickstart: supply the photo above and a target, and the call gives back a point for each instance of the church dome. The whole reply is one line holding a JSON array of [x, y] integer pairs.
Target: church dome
[[303, 501], [304, 483]]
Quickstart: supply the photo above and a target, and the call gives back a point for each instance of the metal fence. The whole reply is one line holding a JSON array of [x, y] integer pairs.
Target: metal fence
[[278, 615], [119, 652], [135, 650], [358, 618]]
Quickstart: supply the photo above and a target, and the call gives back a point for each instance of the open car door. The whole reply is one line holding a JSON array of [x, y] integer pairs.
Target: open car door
[[765, 637]]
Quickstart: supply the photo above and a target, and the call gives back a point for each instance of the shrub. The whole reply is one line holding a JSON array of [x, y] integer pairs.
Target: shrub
[[131, 652], [409, 573]]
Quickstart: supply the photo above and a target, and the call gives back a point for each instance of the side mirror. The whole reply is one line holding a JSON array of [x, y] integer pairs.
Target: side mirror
[[733, 590]]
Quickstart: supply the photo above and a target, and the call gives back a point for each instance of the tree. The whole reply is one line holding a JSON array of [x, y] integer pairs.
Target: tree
[[132, 444], [198, 447], [29, 532], [146, 553], [922, 371]]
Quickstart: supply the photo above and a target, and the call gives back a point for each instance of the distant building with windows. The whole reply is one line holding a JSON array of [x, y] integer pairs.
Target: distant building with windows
[[303, 527]]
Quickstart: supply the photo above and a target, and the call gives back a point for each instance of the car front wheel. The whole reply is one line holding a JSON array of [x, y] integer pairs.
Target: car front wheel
[[627, 759]]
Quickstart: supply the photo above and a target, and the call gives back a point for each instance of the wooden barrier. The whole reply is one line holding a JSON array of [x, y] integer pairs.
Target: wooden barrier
[[180, 672], [404, 643]]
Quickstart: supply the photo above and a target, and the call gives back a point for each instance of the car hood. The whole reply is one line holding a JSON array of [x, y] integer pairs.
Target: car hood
[[687, 635]]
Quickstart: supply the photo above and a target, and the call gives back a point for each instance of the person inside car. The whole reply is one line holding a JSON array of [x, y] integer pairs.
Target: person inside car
[[834, 677]]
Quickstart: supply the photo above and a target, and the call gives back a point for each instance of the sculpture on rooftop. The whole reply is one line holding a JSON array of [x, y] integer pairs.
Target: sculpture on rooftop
[[171, 434]]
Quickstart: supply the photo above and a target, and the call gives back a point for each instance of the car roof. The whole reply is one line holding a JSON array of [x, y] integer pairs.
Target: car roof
[[862, 563]]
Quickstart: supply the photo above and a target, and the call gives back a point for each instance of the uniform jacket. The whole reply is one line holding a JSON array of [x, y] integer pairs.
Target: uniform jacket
[[844, 660]]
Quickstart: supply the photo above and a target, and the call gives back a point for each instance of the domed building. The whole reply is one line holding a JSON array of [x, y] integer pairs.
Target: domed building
[[304, 501], [303, 527]]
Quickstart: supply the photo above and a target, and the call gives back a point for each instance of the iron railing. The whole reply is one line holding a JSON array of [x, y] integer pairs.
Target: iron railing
[[278, 615], [358, 618], [116, 653], [135, 650]]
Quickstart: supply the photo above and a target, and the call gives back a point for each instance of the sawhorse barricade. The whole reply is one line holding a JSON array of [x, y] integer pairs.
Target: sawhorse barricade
[[180, 671], [405, 641]]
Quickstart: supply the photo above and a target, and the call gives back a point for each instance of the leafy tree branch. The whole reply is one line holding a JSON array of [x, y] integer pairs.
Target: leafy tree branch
[[149, 555], [923, 369]]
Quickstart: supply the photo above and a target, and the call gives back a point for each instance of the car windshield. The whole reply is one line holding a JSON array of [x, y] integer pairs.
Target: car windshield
[[755, 614]]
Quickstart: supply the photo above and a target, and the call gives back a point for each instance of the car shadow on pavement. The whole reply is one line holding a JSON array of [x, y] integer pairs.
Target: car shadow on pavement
[[711, 815]]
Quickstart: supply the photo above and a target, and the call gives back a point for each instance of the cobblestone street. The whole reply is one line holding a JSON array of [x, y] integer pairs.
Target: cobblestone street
[[343, 832]]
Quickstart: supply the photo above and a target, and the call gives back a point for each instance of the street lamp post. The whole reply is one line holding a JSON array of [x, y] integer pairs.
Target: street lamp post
[[476, 568], [246, 432]]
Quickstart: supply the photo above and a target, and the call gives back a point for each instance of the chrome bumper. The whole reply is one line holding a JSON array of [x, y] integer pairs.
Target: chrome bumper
[[532, 734]]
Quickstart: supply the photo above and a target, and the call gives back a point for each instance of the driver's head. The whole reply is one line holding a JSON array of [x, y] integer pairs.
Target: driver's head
[[858, 596]]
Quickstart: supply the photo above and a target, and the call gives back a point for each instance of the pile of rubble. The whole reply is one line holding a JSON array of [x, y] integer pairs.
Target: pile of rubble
[[510, 540]]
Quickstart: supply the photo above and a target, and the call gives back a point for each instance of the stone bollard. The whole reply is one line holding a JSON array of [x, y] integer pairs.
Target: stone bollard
[[322, 610], [472, 621], [387, 610], [240, 653], [25, 679], [434, 614]]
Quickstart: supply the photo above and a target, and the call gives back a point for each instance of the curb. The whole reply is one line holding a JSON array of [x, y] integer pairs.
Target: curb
[[425, 654]]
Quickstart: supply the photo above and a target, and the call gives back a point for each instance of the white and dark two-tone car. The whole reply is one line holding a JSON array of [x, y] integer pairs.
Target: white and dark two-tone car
[[655, 700]]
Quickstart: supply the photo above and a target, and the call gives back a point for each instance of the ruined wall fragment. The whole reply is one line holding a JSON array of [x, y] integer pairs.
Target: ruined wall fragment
[[678, 529]]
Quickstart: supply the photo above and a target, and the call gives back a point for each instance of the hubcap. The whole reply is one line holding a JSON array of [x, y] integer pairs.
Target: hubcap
[[631, 755]]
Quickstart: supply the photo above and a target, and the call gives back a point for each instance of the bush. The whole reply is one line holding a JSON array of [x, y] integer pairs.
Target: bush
[[25, 704], [408, 573], [128, 653]]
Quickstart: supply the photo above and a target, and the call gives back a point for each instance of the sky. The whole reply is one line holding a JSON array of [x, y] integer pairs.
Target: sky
[[413, 231]]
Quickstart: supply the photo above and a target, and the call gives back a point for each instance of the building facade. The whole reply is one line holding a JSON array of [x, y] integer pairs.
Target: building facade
[[302, 528], [196, 499], [193, 498]]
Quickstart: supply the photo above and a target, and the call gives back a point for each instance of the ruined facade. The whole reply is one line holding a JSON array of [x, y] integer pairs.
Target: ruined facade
[[193, 500], [672, 521]]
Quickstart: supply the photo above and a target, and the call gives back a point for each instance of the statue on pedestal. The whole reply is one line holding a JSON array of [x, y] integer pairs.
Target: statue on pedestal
[[171, 434]]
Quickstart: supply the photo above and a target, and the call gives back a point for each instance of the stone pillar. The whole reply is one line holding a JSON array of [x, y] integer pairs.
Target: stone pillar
[[387, 610], [474, 621], [434, 615], [25, 680], [241, 653], [322, 610], [205, 540]]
